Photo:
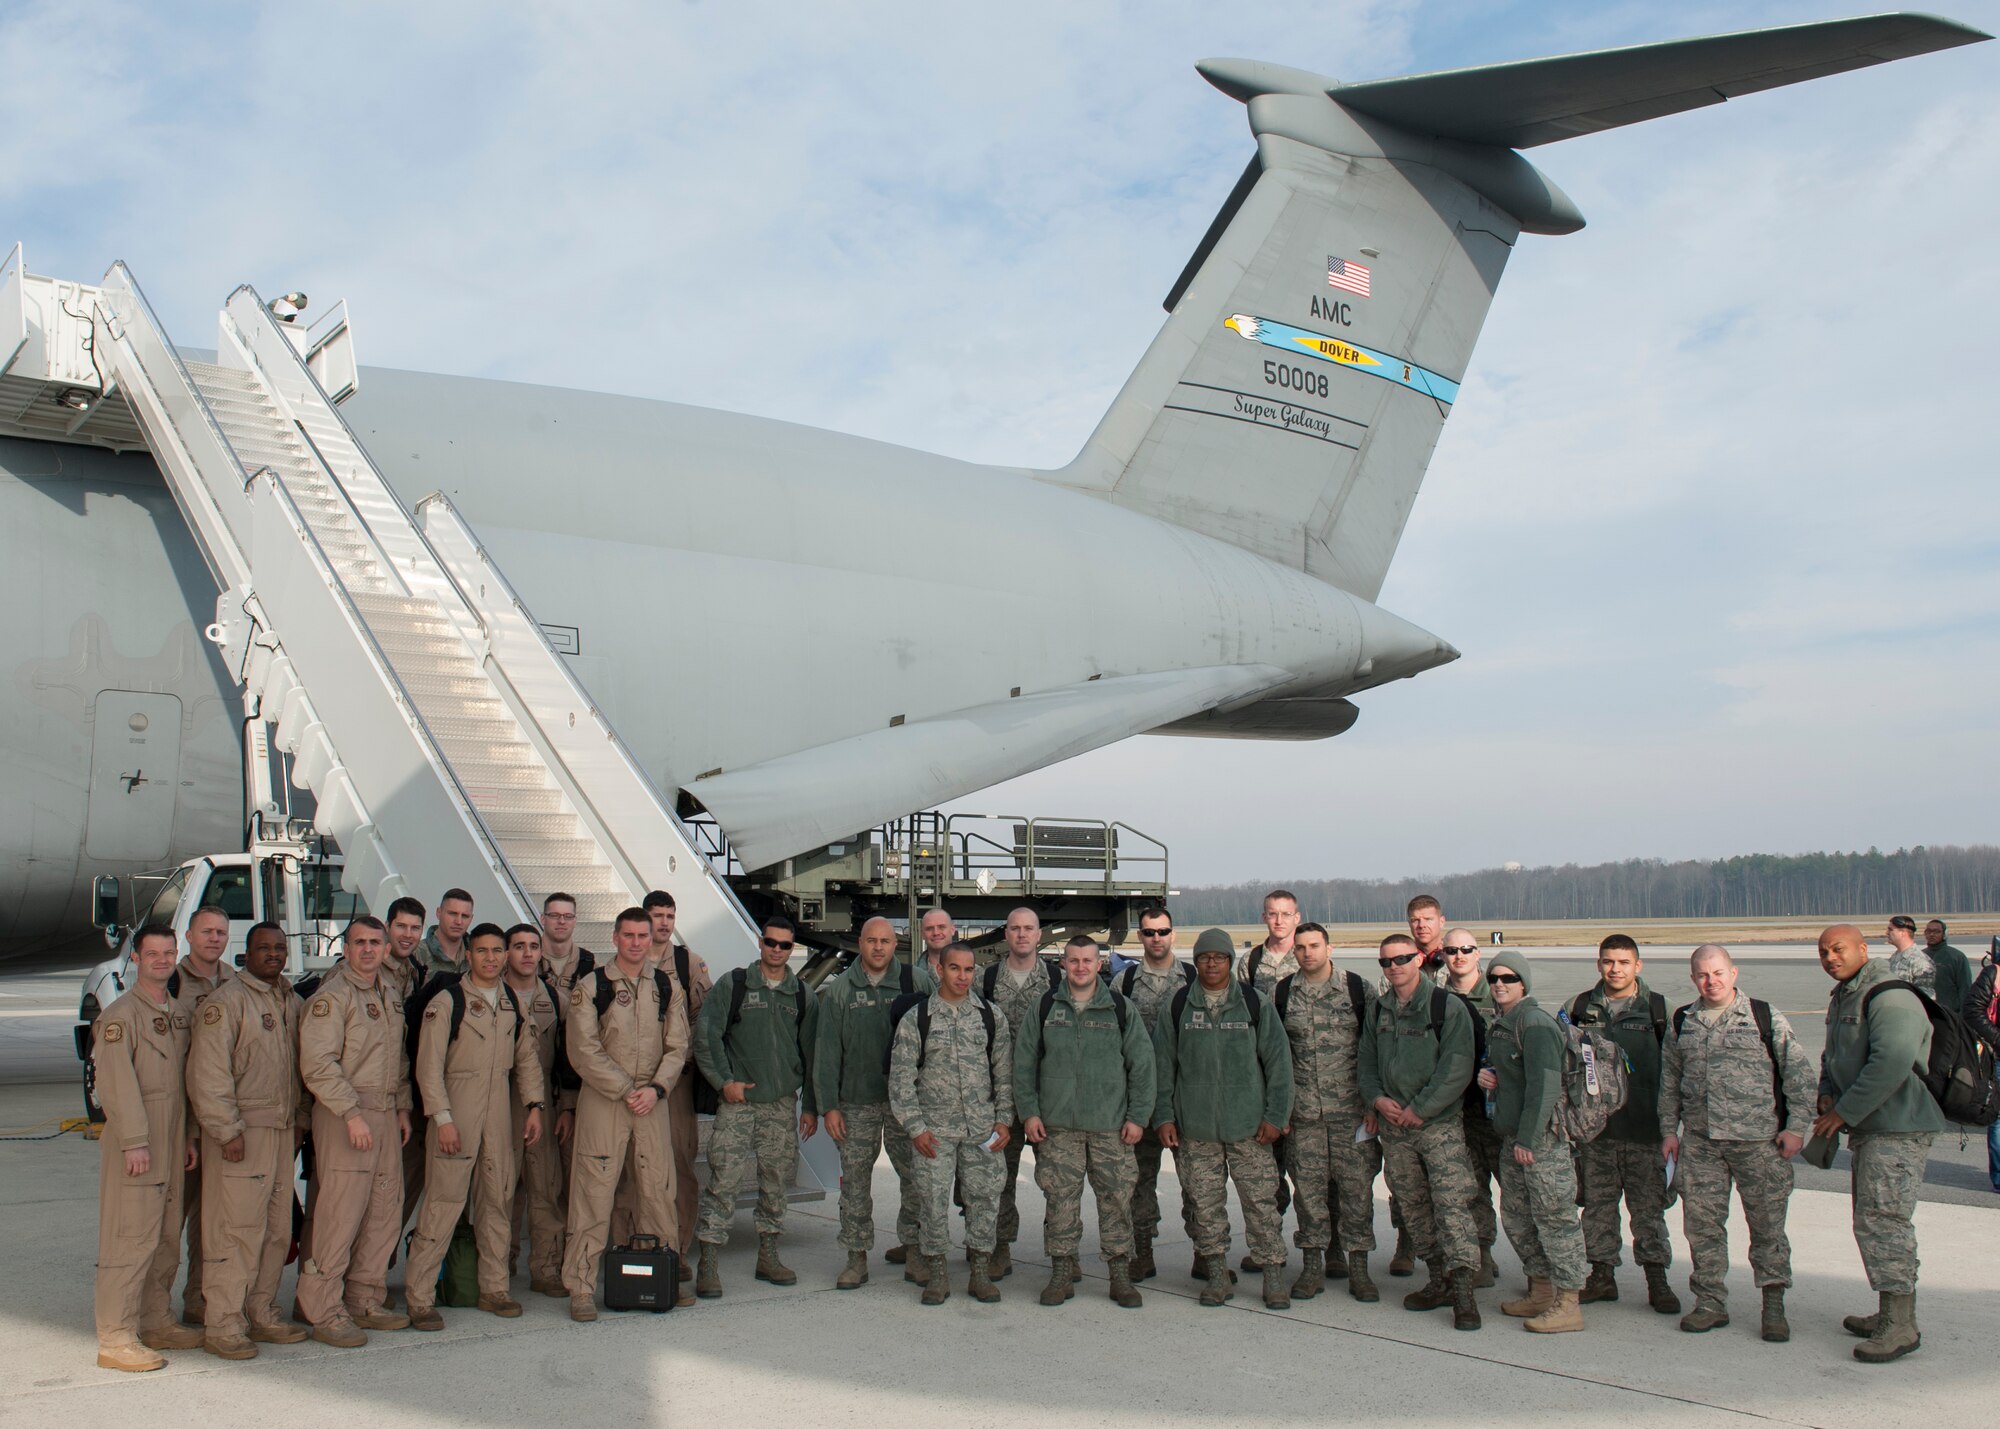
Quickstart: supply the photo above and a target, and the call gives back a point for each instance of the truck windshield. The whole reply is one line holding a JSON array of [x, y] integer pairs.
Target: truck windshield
[[325, 900], [167, 900]]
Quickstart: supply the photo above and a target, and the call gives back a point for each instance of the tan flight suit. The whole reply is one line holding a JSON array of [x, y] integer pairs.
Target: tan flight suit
[[464, 1079], [194, 990], [139, 1053], [540, 1200], [351, 1055], [243, 1080], [405, 976], [686, 1134], [630, 1046]]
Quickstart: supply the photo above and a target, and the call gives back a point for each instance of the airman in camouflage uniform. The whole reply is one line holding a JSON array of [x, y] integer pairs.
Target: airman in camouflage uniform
[[1083, 1088], [1324, 1012], [851, 1084], [1014, 986], [1911, 961], [951, 1086], [1720, 1099], [1147, 985], [1460, 953], [1413, 1083], [1869, 1087], [751, 1043]]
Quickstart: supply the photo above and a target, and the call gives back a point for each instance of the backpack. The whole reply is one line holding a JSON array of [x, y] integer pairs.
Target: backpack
[[1656, 1009], [1760, 1012], [1049, 1001], [1252, 1003], [921, 1001], [1596, 1081], [1131, 976], [739, 985], [451, 986], [1474, 1099], [1959, 1075], [602, 994], [1357, 993], [990, 979]]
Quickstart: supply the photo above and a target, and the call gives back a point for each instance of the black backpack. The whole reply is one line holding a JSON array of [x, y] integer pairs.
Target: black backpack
[[602, 995], [1656, 1008], [1760, 1012], [990, 979], [1049, 1001], [739, 984], [1252, 1003], [1474, 1100], [1357, 993], [1959, 1075], [921, 1001], [449, 985], [1131, 976]]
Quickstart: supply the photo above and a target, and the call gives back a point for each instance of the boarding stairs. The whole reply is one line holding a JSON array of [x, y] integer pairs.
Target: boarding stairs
[[445, 741]]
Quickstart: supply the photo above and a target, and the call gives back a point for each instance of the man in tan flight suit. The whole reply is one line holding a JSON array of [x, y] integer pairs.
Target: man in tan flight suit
[[471, 1042], [628, 1040], [659, 906], [197, 975], [243, 1084], [139, 1053], [352, 1057], [539, 1199]]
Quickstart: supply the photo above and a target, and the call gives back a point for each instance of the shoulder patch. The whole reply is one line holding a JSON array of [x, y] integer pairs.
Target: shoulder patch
[[159, 1024], [321, 1007], [211, 1014], [114, 1032], [431, 1012], [270, 1023]]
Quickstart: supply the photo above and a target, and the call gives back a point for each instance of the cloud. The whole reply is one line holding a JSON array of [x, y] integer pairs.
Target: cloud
[[1712, 521]]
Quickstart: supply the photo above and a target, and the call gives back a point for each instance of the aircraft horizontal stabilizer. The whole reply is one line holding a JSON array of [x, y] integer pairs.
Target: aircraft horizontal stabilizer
[[801, 801], [1532, 102]]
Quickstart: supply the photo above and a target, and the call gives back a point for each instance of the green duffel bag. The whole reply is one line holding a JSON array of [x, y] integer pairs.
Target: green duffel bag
[[458, 1277]]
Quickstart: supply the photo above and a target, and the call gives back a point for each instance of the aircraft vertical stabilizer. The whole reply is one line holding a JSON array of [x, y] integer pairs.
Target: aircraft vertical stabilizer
[[1317, 339]]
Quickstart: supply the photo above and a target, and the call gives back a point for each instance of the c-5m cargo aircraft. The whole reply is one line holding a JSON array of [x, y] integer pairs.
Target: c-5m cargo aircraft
[[631, 610]]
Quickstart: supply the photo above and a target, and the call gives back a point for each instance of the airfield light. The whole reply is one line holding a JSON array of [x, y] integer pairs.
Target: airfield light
[[76, 399]]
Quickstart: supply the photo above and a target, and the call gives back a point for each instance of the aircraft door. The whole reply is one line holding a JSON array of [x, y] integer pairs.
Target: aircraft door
[[135, 773]]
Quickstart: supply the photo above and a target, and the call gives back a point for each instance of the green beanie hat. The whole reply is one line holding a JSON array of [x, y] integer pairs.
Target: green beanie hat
[[1513, 963], [1214, 940]]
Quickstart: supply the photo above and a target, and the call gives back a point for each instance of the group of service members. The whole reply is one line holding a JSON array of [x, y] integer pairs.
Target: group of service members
[[1277, 1072]]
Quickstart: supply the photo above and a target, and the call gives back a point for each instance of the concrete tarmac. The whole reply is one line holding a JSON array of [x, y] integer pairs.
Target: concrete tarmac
[[811, 1355]]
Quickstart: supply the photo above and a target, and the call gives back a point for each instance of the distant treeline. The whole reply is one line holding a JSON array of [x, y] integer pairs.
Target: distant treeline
[[1919, 881]]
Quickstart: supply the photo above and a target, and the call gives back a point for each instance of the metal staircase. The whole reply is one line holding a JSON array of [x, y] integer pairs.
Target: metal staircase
[[445, 741]]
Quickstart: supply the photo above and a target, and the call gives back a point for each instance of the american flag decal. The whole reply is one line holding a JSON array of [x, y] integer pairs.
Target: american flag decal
[[1340, 273]]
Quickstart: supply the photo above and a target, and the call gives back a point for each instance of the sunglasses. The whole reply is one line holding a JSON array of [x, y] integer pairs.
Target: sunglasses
[[777, 947], [1156, 932], [1493, 978], [1397, 962], [1451, 952]]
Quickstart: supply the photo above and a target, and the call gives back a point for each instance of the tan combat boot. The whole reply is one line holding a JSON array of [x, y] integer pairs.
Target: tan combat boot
[[856, 1274], [769, 1267], [424, 1317], [1862, 1325], [1776, 1329], [936, 1281], [1062, 1281], [917, 1269], [1000, 1264], [1703, 1318], [979, 1282], [341, 1333], [1659, 1294], [503, 1305], [1215, 1271], [278, 1334], [1541, 1294], [1895, 1331], [229, 1347], [1123, 1291], [708, 1278], [1360, 1284], [171, 1337], [1312, 1274], [133, 1359], [583, 1308], [1275, 1295], [1564, 1315], [378, 1319]]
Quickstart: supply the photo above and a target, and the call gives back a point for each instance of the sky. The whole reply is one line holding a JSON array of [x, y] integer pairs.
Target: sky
[[1714, 522]]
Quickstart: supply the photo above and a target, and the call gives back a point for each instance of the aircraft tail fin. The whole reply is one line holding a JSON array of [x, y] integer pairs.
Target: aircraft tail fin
[[1317, 338]]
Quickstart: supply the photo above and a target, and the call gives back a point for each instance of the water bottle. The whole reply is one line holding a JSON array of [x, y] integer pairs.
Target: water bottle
[[1486, 1065]]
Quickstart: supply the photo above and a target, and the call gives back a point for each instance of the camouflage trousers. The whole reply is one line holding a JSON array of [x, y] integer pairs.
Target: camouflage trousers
[[1429, 1171], [978, 1173], [1636, 1171], [1888, 1172], [1538, 1207], [1207, 1168], [1763, 1181], [1009, 1223], [747, 1134], [1062, 1163], [1333, 1179], [1146, 1191], [1482, 1145], [870, 1130]]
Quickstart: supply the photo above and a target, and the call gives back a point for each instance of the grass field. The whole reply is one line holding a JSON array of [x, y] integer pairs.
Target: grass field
[[1970, 932]]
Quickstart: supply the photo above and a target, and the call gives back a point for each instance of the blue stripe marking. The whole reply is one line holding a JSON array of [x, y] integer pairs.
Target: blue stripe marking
[[1353, 356]]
